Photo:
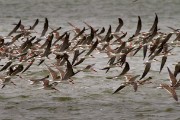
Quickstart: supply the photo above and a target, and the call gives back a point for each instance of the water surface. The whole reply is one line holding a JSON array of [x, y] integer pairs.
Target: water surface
[[91, 95]]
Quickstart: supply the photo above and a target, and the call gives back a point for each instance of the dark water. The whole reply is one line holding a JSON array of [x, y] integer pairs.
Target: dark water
[[91, 95]]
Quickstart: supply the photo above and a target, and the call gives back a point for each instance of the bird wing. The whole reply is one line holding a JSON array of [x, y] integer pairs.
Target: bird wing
[[139, 26], [177, 69], [52, 72], [15, 28], [120, 25], [35, 24], [154, 24], [46, 25], [146, 70], [119, 88], [172, 77], [164, 58], [92, 48], [170, 90], [125, 70]]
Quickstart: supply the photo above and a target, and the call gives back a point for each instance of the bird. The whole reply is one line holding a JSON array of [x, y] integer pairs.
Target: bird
[[54, 74], [125, 70], [15, 28], [154, 45], [130, 80], [174, 82], [37, 80], [47, 50], [89, 68], [79, 34], [139, 26], [170, 90], [147, 68], [15, 69], [177, 69], [45, 29], [48, 86], [164, 58], [34, 25], [88, 54], [148, 63], [69, 72], [76, 29], [155, 23], [111, 64], [76, 55], [28, 66], [6, 65], [6, 81], [121, 23], [142, 82]]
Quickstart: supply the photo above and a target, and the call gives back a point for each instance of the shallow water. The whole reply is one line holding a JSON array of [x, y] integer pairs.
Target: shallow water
[[91, 95]]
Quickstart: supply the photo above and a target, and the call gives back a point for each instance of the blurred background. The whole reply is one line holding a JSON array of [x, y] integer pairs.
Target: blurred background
[[98, 13]]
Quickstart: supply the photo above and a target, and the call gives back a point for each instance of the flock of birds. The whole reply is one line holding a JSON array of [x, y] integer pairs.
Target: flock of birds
[[62, 53]]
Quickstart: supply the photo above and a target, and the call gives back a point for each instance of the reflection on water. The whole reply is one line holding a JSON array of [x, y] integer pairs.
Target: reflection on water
[[90, 97]]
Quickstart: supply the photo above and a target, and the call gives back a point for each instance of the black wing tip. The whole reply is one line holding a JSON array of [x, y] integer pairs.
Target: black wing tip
[[120, 20], [168, 69], [118, 89], [141, 77]]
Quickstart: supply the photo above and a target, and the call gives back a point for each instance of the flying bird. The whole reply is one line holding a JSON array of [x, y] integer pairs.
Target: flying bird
[[45, 29], [130, 80]]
